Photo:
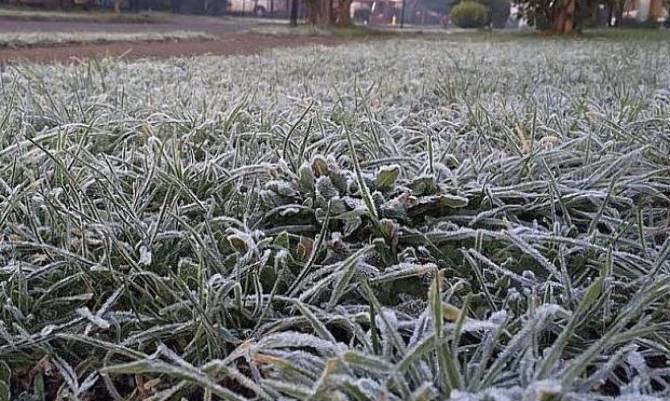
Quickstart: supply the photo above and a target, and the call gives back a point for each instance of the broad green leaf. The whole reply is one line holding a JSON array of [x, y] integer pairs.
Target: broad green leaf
[[386, 177]]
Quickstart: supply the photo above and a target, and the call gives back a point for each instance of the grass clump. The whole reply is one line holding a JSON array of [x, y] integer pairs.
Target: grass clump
[[487, 225]]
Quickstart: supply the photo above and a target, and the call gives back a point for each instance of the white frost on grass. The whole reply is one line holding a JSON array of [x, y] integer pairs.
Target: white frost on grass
[[194, 161], [34, 39]]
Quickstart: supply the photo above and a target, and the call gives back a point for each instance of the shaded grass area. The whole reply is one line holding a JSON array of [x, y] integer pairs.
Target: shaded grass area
[[315, 31], [457, 35], [603, 34]]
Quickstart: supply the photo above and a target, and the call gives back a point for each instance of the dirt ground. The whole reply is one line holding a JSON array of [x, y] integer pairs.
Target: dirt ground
[[232, 39]]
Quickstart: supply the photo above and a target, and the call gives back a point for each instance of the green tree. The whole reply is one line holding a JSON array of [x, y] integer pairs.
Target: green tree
[[559, 16]]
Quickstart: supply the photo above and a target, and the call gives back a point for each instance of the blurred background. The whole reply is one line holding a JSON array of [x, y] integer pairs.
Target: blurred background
[[503, 14]]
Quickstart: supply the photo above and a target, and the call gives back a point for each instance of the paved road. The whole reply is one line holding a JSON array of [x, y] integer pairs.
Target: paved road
[[219, 26]]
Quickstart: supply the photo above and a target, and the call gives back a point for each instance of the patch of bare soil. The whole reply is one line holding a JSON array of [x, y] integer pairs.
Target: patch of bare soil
[[233, 44], [232, 39]]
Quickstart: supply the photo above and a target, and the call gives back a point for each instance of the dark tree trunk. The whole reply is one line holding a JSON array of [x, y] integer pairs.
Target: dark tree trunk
[[610, 13], [294, 12], [332, 15], [321, 12], [324, 16], [344, 13], [655, 10], [312, 11], [619, 12], [564, 19]]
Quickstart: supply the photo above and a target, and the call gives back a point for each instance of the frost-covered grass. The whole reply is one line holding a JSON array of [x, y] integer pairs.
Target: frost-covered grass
[[407, 220], [32, 39], [283, 30]]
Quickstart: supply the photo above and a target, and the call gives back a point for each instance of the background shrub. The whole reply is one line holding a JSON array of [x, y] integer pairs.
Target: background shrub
[[470, 15]]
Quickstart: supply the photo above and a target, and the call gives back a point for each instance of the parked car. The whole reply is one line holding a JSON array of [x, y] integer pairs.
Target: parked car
[[259, 8]]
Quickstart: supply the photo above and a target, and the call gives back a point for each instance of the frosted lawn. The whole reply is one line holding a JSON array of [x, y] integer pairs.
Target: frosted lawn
[[402, 220]]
